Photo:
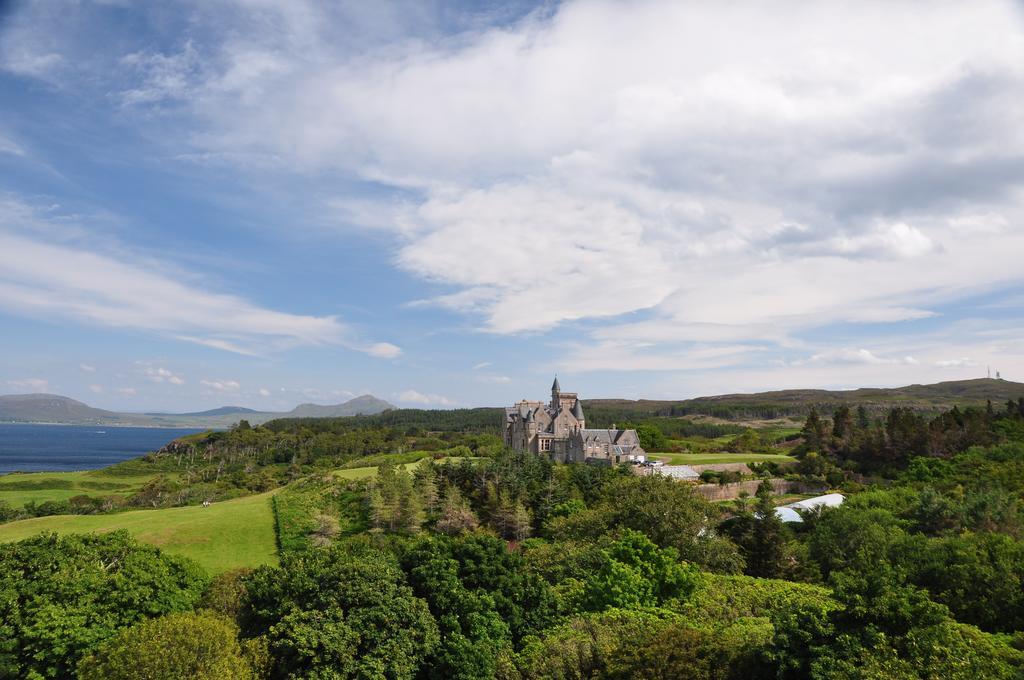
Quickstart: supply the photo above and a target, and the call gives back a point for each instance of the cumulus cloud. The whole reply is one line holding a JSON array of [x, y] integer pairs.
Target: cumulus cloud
[[159, 374], [414, 397], [221, 385], [264, 392], [602, 159], [672, 178]]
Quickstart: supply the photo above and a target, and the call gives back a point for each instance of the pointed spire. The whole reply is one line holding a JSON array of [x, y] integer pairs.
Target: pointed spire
[[555, 387], [577, 410]]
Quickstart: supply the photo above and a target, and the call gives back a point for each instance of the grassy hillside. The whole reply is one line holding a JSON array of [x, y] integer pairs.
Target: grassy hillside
[[782, 403], [235, 533], [18, 488]]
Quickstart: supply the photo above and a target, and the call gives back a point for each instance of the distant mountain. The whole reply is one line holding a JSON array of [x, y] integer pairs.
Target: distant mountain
[[53, 408], [365, 405], [222, 411]]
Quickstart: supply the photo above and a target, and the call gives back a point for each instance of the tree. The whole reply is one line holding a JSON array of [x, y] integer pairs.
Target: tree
[[196, 645], [344, 611], [226, 593], [456, 515], [425, 483], [761, 536], [395, 504], [669, 513], [636, 573], [813, 431], [61, 597], [842, 423]]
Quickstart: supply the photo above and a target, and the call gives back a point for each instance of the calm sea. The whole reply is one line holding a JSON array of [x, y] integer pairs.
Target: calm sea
[[34, 448]]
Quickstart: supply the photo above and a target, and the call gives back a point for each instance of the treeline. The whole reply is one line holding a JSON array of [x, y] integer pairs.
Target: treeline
[[415, 421], [887, 444]]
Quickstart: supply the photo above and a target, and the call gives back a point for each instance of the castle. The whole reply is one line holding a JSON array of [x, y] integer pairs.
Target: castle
[[559, 431]]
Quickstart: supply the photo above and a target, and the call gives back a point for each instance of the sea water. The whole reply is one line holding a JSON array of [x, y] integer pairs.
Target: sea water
[[51, 448]]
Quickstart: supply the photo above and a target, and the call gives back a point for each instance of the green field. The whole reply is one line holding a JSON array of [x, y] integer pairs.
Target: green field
[[710, 458], [367, 472], [235, 533], [19, 488]]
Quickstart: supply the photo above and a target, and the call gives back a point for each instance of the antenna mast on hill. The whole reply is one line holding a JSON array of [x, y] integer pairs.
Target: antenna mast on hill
[[989, 372]]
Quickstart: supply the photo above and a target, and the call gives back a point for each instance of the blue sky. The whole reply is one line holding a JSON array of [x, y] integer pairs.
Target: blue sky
[[264, 203]]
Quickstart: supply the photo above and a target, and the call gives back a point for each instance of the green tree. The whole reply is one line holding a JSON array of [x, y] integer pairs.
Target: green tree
[[340, 612], [761, 535], [63, 596], [198, 646], [669, 513], [456, 516], [636, 573]]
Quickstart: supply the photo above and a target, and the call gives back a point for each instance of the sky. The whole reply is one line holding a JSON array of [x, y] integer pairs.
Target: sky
[[262, 203]]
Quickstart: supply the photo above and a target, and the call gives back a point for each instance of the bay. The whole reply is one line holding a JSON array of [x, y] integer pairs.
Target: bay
[[58, 448]]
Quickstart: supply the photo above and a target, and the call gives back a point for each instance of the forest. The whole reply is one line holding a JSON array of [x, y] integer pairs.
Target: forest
[[461, 559]]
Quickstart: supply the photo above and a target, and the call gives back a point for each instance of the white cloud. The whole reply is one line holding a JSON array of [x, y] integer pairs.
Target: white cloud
[[221, 385], [87, 368], [956, 363], [603, 158], [673, 170], [414, 397], [9, 146], [383, 350], [127, 391], [159, 374], [495, 379], [857, 356], [482, 364], [37, 384], [96, 389], [57, 277], [264, 392]]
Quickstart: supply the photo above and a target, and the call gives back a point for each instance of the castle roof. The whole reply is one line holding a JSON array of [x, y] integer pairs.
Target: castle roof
[[555, 387], [577, 410]]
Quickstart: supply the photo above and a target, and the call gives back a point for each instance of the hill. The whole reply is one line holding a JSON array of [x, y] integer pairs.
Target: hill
[[365, 405], [797, 402], [54, 408], [234, 533], [222, 411]]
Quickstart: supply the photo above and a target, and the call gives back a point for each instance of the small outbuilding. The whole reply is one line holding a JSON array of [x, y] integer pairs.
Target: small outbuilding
[[790, 512]]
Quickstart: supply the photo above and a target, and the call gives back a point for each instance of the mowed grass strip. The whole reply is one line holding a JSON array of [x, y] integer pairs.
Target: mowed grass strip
[[234, 533], [18, 488], [709, 458]]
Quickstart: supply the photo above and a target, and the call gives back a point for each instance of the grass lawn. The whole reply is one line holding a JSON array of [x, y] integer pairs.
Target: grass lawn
[[709, 458], [367, 472], [18, 488], [235, 533]]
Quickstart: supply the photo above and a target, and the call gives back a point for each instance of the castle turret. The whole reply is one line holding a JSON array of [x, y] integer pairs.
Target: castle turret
[[577, 412]]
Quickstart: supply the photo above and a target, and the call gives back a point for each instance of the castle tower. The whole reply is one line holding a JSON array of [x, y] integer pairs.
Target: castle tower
[[577, 412], [556, 390]]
